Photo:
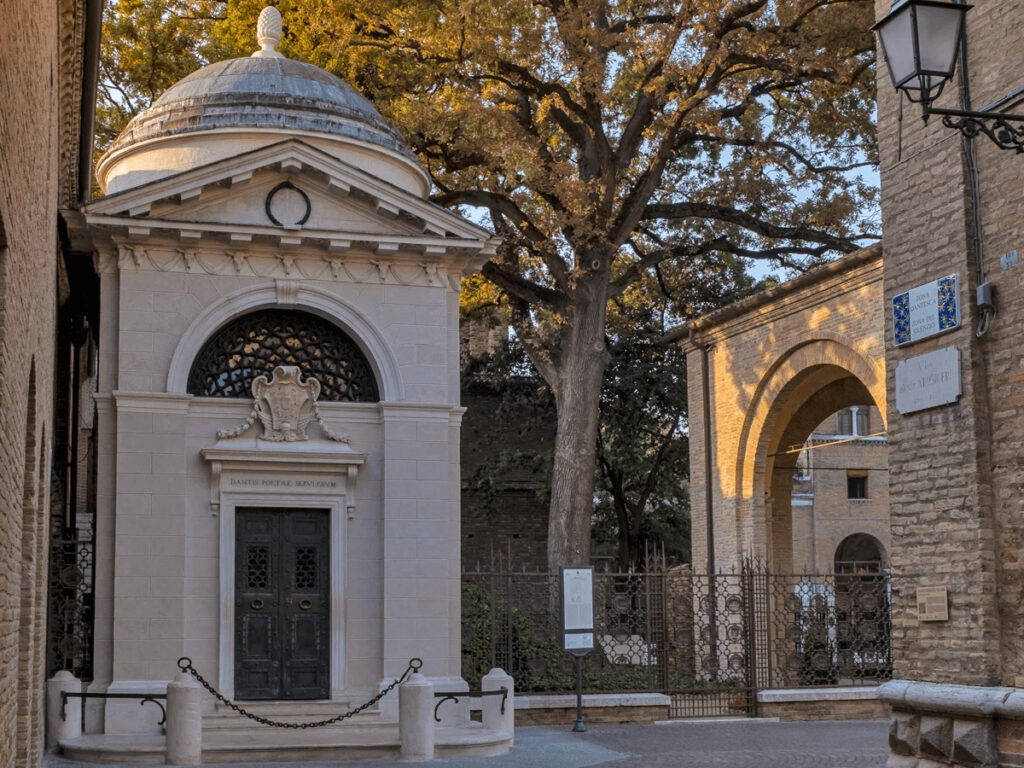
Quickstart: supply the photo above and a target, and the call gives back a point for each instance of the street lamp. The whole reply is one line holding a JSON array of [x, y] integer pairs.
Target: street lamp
[[921, 39]]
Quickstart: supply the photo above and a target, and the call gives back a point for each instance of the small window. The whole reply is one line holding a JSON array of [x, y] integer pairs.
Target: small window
[[844, 422], [856, 484]]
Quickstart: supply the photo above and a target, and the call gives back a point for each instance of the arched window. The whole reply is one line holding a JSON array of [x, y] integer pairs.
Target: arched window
[[254, 344], [860, 553]]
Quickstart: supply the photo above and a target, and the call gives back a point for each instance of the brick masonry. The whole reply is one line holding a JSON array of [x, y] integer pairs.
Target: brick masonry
[[824, 515], [955, 471], [825, 710], [28, 269], [779, 363], [955, 479], [40, 90]]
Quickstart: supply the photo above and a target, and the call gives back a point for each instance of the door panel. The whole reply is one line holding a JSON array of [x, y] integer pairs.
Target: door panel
[[282, 603]]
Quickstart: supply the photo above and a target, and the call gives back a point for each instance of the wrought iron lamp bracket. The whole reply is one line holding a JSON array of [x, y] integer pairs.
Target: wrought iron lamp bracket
[[1007, 131]]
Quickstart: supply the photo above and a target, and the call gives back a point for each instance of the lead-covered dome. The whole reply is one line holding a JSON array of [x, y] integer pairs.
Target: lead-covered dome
[[237, 105]]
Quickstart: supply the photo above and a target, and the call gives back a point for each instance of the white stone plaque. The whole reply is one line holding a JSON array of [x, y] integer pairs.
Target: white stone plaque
[[929, 380]]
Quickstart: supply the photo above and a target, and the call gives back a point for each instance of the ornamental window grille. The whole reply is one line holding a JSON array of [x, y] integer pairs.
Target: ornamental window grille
[[253, 345]]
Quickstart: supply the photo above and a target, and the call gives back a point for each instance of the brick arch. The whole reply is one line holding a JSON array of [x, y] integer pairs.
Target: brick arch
[[812, 380]]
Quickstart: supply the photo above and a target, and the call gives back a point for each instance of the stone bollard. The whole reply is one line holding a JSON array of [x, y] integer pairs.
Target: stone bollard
[[184, 721], [416, 718], [491, 707], [70, 725]]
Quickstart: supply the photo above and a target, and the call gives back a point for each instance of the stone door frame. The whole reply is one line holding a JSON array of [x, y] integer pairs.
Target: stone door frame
[[226, 636]]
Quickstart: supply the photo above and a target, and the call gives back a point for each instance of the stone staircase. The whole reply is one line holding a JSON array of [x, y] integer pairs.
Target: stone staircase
[[228, 737]]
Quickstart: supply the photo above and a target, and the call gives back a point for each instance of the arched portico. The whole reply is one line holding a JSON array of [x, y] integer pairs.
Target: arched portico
[[776, 365]]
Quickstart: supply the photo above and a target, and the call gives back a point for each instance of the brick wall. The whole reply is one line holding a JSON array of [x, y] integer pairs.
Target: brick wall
[[954, 476], [28, 268], [823, 513]]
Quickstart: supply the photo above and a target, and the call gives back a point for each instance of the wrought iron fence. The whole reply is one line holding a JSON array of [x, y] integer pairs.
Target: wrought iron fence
[[710, 641], [71, 605]]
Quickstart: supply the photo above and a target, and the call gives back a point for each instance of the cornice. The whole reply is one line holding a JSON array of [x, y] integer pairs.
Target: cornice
[[829, 281], [284, 266]]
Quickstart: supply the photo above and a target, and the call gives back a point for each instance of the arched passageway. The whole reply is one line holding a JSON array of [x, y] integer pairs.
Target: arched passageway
[[764, 375]]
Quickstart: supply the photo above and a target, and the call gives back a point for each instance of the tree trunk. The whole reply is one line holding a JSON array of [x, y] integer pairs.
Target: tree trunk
[[582, 359]]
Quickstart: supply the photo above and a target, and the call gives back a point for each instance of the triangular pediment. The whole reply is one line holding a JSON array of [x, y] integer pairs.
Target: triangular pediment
[[293, 193]]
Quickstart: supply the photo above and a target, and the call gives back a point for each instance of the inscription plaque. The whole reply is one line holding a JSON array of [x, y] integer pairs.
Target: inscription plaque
[[928, 380], [578, 609]]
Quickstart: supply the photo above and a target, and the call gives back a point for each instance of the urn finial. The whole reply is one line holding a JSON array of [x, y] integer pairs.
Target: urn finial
[[268, 32]]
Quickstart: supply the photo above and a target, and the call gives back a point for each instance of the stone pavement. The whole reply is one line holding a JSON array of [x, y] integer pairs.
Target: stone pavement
[[678, 744]]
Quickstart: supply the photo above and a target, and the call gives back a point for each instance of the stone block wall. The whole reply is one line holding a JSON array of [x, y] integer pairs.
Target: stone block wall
[[28, 270]]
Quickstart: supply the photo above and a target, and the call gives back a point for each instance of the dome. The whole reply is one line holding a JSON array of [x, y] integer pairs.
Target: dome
[[241, 104], [262, 92]]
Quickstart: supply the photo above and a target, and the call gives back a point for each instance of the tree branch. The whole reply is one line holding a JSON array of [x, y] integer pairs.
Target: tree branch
[[523, 289]]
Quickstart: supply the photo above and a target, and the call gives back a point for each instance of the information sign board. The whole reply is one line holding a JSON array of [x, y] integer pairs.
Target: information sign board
[[578, 609]]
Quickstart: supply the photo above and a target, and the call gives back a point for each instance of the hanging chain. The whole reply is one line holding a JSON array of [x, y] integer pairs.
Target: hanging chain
[[185, 665]]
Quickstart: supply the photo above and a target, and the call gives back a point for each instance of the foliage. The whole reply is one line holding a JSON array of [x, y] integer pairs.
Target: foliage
[[643, 449], [147, 47], [817, 664], [534, 658], [610, 142]]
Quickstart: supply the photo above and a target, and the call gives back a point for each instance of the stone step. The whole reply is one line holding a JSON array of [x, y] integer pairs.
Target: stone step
[[277, 745]]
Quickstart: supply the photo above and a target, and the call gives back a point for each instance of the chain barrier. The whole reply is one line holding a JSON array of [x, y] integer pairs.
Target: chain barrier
[[185, 665]]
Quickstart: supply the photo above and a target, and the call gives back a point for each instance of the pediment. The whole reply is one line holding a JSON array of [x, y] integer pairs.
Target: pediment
[[291, 193], [293, 202]]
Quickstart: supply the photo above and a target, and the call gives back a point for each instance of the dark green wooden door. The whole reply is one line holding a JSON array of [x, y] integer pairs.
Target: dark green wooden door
[[282, 603]]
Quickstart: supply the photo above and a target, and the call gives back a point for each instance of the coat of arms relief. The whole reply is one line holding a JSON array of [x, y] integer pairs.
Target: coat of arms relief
[[285, 405]]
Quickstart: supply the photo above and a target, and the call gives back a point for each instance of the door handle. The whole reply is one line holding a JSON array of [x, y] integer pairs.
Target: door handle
[[305, 604], [256, 604]]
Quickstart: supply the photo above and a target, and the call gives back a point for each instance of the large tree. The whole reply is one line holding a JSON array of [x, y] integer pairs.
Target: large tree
[[611, 141]]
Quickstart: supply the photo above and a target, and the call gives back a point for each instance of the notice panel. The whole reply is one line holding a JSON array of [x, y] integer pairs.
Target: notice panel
[[578, 609]]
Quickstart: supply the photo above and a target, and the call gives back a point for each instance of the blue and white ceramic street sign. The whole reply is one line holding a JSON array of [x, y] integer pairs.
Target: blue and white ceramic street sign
[[927, 310]]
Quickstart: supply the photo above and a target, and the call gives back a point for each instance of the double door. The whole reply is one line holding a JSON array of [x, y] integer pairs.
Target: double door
[[282, 603]]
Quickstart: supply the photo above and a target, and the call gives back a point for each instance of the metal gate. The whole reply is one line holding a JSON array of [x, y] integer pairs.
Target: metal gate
[[710, 642]]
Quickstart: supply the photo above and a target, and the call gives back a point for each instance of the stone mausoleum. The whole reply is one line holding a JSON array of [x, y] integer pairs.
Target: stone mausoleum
[[277, 395]]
